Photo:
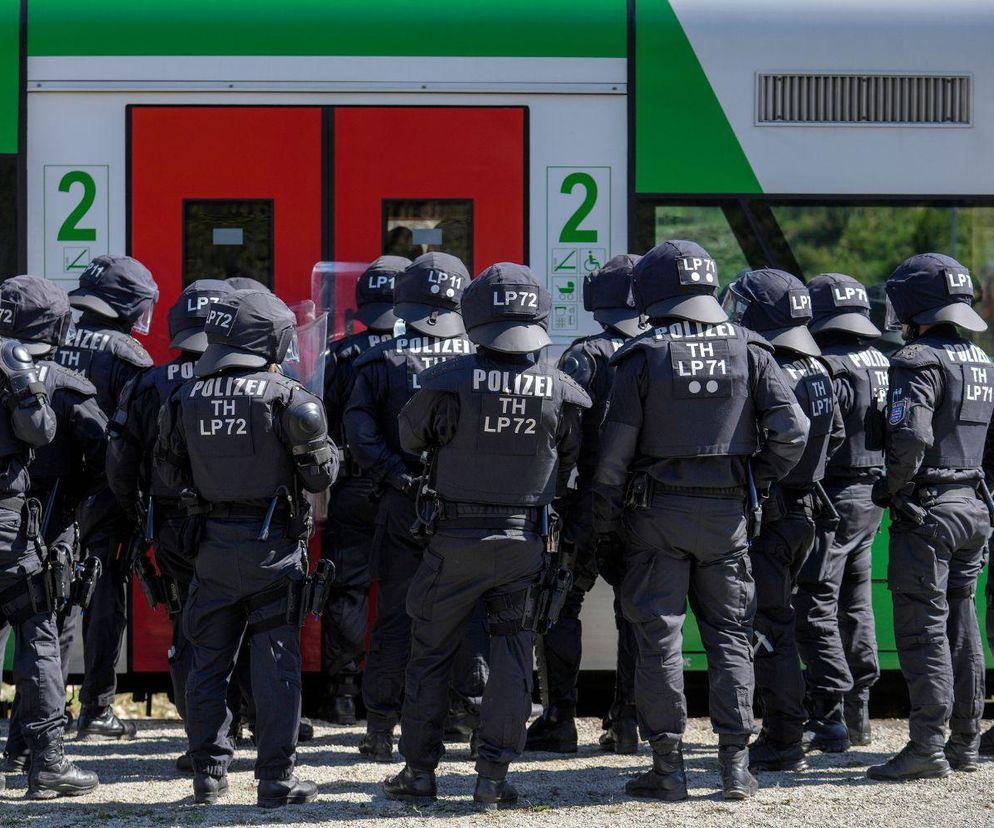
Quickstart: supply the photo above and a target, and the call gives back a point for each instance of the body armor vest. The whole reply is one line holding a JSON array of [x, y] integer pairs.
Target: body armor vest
[[866, 371], [504, 449], [698, 400], [588, 362], [95, 353], [961, 417], [812, 386], [405, 357], [152, 389], [62, 457], [341, 352], [229, 421]]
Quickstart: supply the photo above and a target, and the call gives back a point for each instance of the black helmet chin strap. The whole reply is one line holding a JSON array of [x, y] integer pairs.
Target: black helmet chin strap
[[911, 332]]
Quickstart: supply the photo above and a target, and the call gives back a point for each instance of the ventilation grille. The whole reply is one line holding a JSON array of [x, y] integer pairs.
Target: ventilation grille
[[863, 99]]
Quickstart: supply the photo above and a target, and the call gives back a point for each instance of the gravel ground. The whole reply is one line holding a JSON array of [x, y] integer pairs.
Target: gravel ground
[[139, 787]]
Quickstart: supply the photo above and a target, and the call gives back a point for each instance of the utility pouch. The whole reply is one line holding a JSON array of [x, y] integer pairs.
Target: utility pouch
[[150, 583], [638, 494], [171, 595], [87, 573]]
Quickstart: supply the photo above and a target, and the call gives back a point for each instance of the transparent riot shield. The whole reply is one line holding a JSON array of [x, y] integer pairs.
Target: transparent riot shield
[[333, 291], [305, 357]]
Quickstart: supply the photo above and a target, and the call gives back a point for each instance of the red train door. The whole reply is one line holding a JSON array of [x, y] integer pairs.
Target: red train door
[[269, 191]]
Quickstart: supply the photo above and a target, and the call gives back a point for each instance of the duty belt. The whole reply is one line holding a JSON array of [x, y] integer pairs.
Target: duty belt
[[698, 491], [480, 516], [14, 503], [925, 492]]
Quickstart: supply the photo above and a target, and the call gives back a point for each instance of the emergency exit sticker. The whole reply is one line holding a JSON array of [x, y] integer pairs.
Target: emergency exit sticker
[[578, 235], [77, 218]]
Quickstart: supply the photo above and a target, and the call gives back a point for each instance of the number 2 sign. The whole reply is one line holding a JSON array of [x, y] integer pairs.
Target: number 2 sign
[[578, 232], [77, 218]]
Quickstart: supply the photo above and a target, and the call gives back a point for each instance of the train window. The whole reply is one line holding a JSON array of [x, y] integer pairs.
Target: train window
[[414, 226], [228, 237], [708, 225]]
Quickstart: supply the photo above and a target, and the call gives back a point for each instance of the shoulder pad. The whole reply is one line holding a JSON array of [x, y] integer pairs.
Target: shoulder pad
[[915, 356], [445, 376], [836, 364], [130, 350], [64, 378], [632, 345], [573, 393], [371, 355], [753, 338], [578, 364]]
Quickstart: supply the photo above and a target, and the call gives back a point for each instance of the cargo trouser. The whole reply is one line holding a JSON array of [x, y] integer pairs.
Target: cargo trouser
[[395, 559], [238, 590], [347, 539], [689, 546], [104, 625], [777, 556], [37, 665], [174, 563], [460, 568], [932, 575], [835, 629]]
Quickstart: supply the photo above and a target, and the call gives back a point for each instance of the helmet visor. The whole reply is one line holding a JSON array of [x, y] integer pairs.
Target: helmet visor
[[734, 304], [143, 324], [891, 322]]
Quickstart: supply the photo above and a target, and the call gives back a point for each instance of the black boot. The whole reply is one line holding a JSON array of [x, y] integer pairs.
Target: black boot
[[305, 731], [339, 710], [765, 754], [184, 762], [621, 736], [275, 793], [553, 732], [207, 789], [377, 745], [101, 722], [857, 715], [411, 786], [490, 794], [963, 752], [666, 781], [987, 743], [733, 766], [826, 730], [53, 775], [17, 762], [914, 761]]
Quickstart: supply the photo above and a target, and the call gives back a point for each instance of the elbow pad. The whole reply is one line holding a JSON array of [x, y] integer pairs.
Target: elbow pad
[[307, 429], [22, 377]]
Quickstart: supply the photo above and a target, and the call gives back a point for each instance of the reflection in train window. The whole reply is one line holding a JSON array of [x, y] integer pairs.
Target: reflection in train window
[[415, 226], [228, 237]]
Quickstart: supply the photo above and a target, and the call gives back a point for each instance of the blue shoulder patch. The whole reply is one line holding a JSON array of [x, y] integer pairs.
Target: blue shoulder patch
[[897, 411]]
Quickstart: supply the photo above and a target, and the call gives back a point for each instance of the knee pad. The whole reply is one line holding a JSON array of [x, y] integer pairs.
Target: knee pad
[[505, 612]]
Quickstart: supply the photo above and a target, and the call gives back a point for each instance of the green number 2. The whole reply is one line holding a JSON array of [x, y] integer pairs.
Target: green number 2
[[70, 229], [571, 233]]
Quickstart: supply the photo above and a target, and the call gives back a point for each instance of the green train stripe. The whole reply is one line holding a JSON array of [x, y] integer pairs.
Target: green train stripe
[[683, 141], [443, 28], [10, 51]]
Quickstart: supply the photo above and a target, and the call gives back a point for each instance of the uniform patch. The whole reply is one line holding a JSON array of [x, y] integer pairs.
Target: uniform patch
[[696, 270], [8, 314], [898, 408]]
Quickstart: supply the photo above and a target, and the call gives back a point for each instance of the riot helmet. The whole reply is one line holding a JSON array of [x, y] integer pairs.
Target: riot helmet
[[608, 293], [506, 309], [678, 279], [775, 304], [188, 314], [117, 287], [246, 329], [427, 294], [35, 311], [929, 289], [840, 303], [374, 292]]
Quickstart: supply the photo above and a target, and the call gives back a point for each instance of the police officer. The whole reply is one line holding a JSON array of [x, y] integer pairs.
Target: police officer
[[36, 312], [689, 402], [941, 400], [835, 631], [117, 295], [607, 293], [244, 441], [778, 306], [131, 474], [505, 431], [31, 576], [351, 510], [427, 298]]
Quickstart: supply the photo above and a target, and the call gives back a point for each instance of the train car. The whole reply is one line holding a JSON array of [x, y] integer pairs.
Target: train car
[[208, 138]]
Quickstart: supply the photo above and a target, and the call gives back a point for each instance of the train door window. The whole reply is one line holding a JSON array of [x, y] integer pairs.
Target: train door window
[[228, 237], [415, 226]]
